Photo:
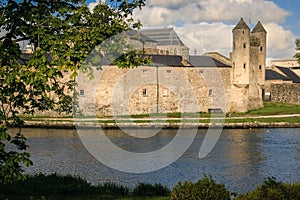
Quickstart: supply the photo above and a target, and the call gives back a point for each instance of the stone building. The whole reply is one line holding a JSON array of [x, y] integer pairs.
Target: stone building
[[282, 84], [291, 63], [168, 42], [178, 82]]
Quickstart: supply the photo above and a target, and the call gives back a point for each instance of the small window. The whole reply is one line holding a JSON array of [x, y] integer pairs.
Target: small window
[[144, 92], [167, 52], [243, 32], [259, 66], [244, 65], [261, 48], [169, 71], [175, 51], [165, 92], [245, 45], [145, 71], [81, 92], [201, 72], [210, 92]]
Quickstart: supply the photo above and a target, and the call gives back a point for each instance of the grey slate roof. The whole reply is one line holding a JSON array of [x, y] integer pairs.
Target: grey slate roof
[[259, 28], [272, 75], [290, 74], [241, 25], [206, 61], [166, 60], [139, 36], [164, 36]]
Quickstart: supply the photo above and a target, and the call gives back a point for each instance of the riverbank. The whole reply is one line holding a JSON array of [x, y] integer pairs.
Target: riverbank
[[273, 115], [273, 121]]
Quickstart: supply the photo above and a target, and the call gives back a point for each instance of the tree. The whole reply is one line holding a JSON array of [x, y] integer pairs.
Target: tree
[[62, 32], [298, 49]]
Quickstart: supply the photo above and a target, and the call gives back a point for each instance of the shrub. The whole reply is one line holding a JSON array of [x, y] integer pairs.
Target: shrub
[[52, 184], [145, 189], [205, 189], [272, 189], [113, 189]]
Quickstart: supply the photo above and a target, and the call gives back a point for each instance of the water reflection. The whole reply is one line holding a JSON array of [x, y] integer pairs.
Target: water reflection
[[241, 159]]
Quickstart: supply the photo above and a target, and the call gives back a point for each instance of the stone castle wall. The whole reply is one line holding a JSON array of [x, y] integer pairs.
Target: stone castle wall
[[285, 92], [151, 89]]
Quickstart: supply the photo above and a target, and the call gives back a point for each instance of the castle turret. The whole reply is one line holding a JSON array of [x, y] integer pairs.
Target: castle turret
[[241, 53], [259, 38], [248, 59], [257, 66]]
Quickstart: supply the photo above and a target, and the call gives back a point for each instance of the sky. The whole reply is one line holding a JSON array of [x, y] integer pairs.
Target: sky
[[206, 25]]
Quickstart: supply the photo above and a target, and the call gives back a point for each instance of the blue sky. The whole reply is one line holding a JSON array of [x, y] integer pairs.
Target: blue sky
[[205, 25], [292, 22]]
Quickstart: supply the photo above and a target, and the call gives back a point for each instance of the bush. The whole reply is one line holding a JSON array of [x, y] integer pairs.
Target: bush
[[113, 189], [48, 185], [273, 190], [205, 189], [144, 189]]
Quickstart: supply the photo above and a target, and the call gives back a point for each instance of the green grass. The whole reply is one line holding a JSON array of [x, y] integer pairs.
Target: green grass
[[270, 108]]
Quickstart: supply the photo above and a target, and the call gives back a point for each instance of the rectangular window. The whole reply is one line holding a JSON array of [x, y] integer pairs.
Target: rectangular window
[[245, 45], [145, 71], [81, 92], [169, 71], [244, 65], [261, 48], [144, 92], [259, 66], [165, 92], [210, 92]]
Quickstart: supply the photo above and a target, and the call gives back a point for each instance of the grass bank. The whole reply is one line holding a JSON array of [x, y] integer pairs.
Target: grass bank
[[270, 109]]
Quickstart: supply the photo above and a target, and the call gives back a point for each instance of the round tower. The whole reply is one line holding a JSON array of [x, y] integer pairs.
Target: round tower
[[260, 34], [240, 56]]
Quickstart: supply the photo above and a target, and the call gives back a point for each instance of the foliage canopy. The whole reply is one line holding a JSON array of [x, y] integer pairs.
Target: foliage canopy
[[298, 49], [61, 34]]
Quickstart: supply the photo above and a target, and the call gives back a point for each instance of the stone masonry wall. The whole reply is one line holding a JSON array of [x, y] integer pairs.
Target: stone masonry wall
[[149, 89], [286, 93]]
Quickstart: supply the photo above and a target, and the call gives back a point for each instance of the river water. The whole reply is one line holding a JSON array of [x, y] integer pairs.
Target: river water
[[241, 159]]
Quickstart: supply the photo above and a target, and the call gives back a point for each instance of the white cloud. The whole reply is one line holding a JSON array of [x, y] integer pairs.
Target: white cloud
[[206, 25], [206, 37], [280, 43], [196, 11], [92, 5]]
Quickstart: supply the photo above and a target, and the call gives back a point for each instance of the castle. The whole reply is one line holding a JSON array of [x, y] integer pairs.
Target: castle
[[179, 82]]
